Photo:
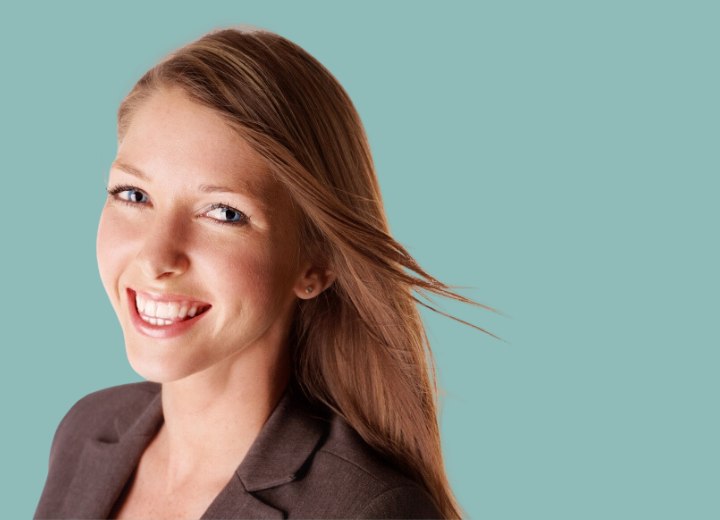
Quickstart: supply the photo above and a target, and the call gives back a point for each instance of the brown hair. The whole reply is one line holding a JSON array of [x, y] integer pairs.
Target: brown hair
[[360, 347]]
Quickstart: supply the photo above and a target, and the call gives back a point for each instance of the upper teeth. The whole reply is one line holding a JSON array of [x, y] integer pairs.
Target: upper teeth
[[165, 310]]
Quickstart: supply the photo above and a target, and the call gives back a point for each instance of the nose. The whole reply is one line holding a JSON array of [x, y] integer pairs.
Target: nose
[[163, 253]]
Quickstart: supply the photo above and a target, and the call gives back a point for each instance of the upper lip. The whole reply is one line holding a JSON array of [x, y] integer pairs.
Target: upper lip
[[166, 297]]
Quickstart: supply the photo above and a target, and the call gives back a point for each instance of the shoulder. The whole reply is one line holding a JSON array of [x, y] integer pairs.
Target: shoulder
[[102, 413], [97, 418], [115, 399], [345, 451], [347, 478], [408, 501], [384, 490]]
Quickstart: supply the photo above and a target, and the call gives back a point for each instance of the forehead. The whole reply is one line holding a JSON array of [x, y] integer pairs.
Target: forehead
[[171, 136]]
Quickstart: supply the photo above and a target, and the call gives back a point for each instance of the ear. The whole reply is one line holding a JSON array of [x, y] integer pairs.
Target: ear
[[313, 281]]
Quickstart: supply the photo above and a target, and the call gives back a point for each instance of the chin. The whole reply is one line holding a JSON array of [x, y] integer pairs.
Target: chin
[[160, 368]]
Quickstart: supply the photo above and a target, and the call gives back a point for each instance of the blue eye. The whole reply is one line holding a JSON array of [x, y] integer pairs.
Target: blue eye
[[133, 196], [220, 213], [129, 194], [226, 214]]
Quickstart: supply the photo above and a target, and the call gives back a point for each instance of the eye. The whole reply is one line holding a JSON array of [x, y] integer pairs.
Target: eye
[[226, 214], [129, 194]]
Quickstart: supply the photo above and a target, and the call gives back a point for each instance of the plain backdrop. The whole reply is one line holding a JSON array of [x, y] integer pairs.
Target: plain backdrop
[[559, 159]]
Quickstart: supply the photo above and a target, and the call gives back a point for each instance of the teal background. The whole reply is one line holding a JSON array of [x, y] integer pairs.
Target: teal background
[[558, 158]]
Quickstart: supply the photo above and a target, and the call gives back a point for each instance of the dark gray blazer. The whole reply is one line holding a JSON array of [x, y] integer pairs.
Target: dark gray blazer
[[303, 464]]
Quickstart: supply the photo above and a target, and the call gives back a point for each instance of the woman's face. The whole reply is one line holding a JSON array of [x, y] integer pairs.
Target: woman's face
[[195, 225]]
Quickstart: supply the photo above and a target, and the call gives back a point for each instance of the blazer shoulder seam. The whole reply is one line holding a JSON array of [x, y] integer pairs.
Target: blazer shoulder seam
[[352, 463], [377, 498]]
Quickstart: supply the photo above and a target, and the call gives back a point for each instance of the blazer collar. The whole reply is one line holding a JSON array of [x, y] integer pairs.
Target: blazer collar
[[286, 441]]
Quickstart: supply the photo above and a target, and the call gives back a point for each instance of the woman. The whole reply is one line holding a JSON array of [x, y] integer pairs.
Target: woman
[[245, 250]]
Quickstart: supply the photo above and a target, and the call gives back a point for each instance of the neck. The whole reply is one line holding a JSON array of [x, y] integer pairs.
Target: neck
[[213, 417]]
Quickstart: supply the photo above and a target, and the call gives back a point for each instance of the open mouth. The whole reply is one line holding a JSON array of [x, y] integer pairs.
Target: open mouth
[[164, 313]]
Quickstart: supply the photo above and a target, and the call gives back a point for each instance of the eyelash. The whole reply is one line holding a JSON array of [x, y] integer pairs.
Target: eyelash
[[116, 190]]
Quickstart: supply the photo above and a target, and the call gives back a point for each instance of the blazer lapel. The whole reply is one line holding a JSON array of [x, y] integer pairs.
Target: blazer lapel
[[283, 447], [235, 502], [285, 443], [106, 464]]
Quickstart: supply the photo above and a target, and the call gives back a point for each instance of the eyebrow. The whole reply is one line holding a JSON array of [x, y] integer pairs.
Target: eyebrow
[[247, 187]]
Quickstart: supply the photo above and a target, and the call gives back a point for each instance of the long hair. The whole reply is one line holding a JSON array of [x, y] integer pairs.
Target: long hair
[[360, 347]]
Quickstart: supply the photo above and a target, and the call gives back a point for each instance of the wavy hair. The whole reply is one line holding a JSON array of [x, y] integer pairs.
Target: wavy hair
[[360, 347]]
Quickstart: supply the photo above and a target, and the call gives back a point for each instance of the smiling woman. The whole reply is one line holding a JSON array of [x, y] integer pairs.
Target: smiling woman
[[167, 244], [245, 250]]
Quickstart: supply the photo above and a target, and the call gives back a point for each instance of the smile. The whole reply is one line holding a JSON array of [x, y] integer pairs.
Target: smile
[[158, 312], [161, 316]]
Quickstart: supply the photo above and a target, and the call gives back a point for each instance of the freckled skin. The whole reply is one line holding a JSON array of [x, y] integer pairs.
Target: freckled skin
[[249, 273]]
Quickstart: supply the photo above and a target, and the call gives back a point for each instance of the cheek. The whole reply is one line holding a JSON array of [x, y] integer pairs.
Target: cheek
[[259, 272], [113, 244], [243, 270]]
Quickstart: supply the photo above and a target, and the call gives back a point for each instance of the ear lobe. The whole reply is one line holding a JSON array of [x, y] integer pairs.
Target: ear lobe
[[313, 282]]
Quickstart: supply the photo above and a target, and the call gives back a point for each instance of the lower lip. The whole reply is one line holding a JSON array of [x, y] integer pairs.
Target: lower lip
[[159, 331]]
